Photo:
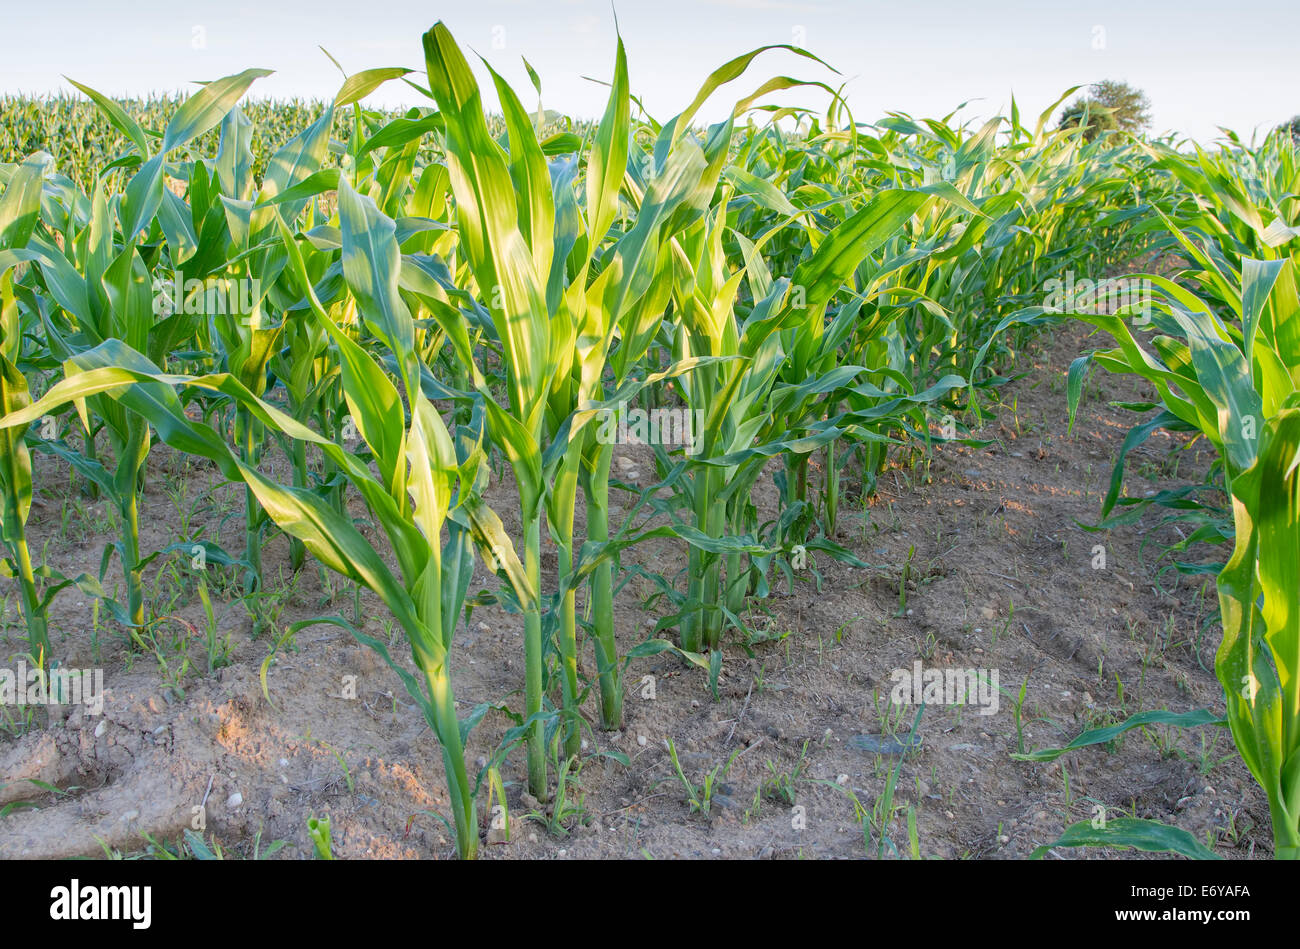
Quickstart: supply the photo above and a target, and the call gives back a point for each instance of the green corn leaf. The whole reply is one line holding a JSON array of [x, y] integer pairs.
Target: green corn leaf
[[1146, 835], [116, 115], [207, 107], [1101, 736], [359, 85], [20, 204]]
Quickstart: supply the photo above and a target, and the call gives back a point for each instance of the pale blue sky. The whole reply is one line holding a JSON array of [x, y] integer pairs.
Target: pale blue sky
[[1203, 63]]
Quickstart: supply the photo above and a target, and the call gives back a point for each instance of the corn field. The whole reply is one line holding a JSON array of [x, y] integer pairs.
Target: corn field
[[401, 354]]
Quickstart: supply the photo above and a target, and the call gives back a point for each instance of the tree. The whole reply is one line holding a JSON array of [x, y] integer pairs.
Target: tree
[[1109, 106], [1291, 128]]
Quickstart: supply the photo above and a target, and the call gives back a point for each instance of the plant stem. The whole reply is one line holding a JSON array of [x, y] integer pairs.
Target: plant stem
[[247, 431], [561, 523], [533, 659], [595, 485], [737, 573], [297, 551], [134, 454], [89, 487], [38, 636], [714, 519], [832, 490], [444, 721]]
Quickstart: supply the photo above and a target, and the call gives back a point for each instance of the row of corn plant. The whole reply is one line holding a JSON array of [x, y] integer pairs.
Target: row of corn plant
[[1224, 359]]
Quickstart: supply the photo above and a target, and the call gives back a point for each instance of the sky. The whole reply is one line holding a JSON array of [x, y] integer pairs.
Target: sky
[[1203, 63]]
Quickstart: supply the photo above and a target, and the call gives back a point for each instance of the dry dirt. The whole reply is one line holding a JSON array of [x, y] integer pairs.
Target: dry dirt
[[1001, 578]]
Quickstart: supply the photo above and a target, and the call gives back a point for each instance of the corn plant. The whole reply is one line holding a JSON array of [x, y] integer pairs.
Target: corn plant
[[1236, 384], [505, 266], [19, 209], [16, 475]]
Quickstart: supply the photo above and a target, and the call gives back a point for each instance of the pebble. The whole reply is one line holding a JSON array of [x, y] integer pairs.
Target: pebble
[[641, 740], [101, 728], [130, 815], [766, 853], [234, 800]]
